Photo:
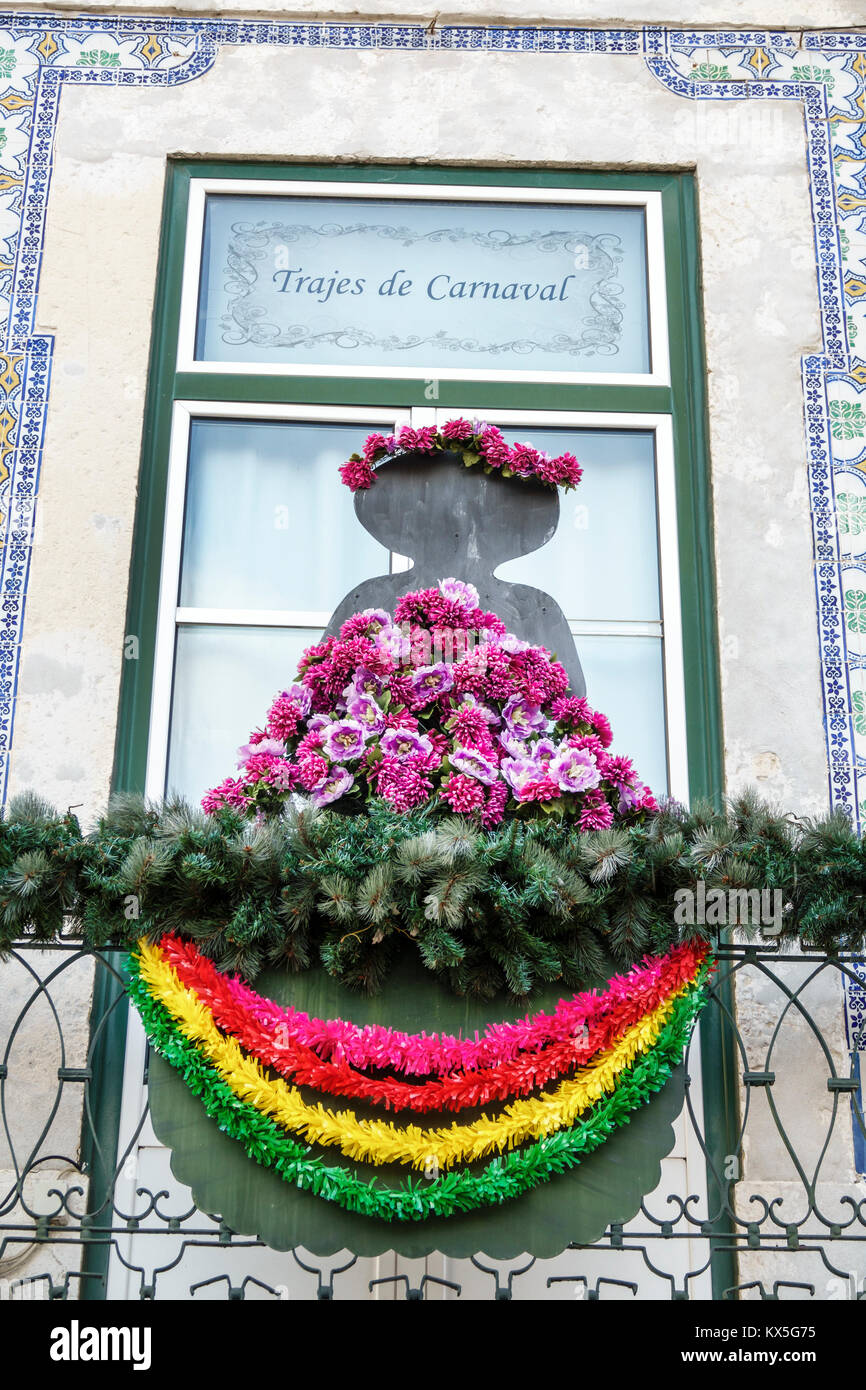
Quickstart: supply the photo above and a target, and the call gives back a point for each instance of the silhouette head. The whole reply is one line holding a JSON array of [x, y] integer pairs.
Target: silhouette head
[[437, 510]]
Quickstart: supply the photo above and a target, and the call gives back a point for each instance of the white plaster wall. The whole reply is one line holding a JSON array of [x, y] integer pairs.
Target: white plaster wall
[[698, 14], [97, 287], [579, 111]]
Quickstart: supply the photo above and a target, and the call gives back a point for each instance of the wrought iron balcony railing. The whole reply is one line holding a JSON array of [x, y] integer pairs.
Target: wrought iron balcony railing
[[761, 1199]]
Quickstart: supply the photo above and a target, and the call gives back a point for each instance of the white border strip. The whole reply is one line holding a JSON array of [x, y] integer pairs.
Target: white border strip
[[649, 200]]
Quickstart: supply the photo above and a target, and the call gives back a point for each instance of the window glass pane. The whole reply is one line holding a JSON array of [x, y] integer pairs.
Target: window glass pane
[[268, 522], [224, 681], [399, 283], [603, 560], [624, 679]]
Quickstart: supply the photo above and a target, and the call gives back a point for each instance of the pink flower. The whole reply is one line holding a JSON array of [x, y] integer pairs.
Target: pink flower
[[312, 771], [545, 789], [494, 807], [423, 439], [459, 592], [402, 784], [571, 710], [374, 445], [287, 711], [366, 624], [620, 771], [519, 773], [263, 745], [524, 460], [601, 726], [494, 449], [459, 430], [566, 471], [463, 794], [596, 814], [228, 793], [470, 724], [357, 474]]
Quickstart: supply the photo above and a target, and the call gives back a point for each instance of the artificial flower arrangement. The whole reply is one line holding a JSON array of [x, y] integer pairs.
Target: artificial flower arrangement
[[476, 442], [488, 731]]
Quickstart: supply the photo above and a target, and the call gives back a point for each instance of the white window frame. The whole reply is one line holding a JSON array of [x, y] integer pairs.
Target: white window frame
[[650, 201], [170, 613]]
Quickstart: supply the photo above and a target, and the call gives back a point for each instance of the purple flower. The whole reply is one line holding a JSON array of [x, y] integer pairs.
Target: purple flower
[[518, 771], [574, 770], [629, 797], [522, 718], [403, 743], [469, 760], [344, 739], [319, 721], [511, 644], [379, 619], [300, 696], [338, 781], [364, 710], [364, 682], [432, 680], [543, 750], [514, 747], [265, 745], [459, 592], [394, 641]]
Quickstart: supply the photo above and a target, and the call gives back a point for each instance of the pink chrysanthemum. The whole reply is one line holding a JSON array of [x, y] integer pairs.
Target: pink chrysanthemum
[[601, 726], [228, 793], [463, 793], [494, 807], [357, 474], [494, 449], [544, 789], [459, 430], [402, 783], [312, 770], [423, 439], [571, 711], [374, 444], [595, 813]]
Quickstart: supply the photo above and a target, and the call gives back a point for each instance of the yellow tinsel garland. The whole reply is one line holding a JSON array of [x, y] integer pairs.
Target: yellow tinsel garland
[[377, 1141]]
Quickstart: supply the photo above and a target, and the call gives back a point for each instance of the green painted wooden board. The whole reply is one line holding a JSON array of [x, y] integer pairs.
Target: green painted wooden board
[[575, 1206]]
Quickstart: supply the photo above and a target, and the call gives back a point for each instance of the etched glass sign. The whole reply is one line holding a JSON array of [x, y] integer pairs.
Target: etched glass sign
[[384, 284]]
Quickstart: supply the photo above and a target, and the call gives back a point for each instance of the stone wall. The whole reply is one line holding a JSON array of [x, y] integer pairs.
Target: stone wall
[[590, 110]]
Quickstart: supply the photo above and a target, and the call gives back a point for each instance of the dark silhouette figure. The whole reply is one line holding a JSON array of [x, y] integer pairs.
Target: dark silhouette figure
[[461, 523]]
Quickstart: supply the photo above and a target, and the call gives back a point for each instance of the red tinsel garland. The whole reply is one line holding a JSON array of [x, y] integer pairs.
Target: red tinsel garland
[[516, 1076]]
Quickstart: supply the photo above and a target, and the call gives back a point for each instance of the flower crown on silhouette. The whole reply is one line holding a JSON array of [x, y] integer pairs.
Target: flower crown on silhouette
[[476, 441]]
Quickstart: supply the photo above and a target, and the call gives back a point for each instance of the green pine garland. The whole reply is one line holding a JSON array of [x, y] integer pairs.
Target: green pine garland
[[503, 1179], [505, 910]]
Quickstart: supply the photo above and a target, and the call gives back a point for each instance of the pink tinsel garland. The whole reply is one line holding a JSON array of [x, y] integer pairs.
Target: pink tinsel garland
[[336, 1041]]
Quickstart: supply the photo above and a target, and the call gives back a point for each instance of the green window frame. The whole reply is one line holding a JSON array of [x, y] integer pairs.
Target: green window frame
[[684, 400]]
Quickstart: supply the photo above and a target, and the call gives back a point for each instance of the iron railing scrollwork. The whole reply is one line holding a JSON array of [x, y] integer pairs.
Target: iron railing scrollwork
[[762, 1201]]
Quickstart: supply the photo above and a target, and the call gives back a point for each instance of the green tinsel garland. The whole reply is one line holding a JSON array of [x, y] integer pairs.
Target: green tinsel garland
[[503, 1179]]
